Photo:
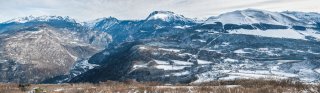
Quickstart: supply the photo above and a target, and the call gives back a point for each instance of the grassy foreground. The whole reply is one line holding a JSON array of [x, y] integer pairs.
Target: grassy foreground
[[234, 86]]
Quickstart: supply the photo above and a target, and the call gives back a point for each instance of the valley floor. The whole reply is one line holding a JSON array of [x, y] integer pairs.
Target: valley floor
[[235, 86]]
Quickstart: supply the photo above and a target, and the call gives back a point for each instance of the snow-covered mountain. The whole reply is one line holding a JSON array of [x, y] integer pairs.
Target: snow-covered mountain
[[294, 25], [167, 16], [40, 18], [241, 44], [102, 23], [254, 16], [168, 47]]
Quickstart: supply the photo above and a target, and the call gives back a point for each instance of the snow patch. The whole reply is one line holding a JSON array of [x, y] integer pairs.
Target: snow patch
[[170, 67], [182, 27], [230, 60], [178, 62], [181, 73], [202, 62], [317, 70], [240, 51], [200, 40], [140, 66], [170, 50], [276, 33], [312, 33], [161, 62], [85, 65], [160, 16], [143, 48]]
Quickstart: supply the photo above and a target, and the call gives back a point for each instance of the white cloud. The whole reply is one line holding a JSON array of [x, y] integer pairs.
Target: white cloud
[[139, 9]]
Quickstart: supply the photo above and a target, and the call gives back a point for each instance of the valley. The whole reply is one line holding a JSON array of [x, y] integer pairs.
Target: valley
[[165, 47]]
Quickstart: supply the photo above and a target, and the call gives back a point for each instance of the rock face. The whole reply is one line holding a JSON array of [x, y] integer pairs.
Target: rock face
[[35, 51]]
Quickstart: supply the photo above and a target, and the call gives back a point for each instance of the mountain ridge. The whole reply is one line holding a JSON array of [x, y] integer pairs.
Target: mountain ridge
[[167, 48], [171, 15]]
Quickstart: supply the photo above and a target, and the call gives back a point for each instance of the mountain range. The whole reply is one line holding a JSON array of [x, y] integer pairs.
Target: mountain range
[[165, 47]]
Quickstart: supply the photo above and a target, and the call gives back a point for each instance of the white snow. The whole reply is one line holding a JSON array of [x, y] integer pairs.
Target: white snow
[[170, 67], [167, 16], [283, 74], [279, 33], [160, 16], [206, 77], [317, 70], [230, 60], [312, 33], [268, 51], [142, 48], [230, 78], [161, 62], [181, 73], [252, 16], [200, 40], [240, 51], [225, 44], [182, 27], [307, 75], [202, 62], [185, 54], [142, 31], [218, 51], [85, 65], [40, 18], [178, 62], [199, 30], [140, 66], [170, 50], [254, 71]]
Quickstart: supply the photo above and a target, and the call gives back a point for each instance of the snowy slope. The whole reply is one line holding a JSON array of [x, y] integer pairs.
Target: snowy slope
[[40, 18], [102, 23], [167, 16], [253, 16], [308, 18], [281, 33]]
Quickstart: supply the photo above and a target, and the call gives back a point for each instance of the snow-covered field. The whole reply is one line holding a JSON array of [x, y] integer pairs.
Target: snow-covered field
[[280, 33]]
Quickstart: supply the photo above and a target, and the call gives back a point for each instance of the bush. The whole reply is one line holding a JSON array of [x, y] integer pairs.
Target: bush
[[228, 86]]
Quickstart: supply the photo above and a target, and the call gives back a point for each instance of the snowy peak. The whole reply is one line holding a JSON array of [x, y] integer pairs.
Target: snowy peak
[[162, 15], [253, 16], [40, 18], [167, 16], [248, 16], [104, 23], [21, 20]]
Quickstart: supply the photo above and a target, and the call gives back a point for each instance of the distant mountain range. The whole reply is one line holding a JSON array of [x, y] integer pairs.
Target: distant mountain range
[[165, 47]]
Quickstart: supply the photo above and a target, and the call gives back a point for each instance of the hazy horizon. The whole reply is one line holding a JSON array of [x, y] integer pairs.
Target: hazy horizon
[[83, 10]]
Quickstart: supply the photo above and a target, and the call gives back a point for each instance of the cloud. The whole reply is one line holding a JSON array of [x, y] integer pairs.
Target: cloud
[[85, 10]]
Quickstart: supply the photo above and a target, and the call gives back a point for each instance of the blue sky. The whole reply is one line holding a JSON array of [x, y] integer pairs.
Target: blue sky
[[84, 10]]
